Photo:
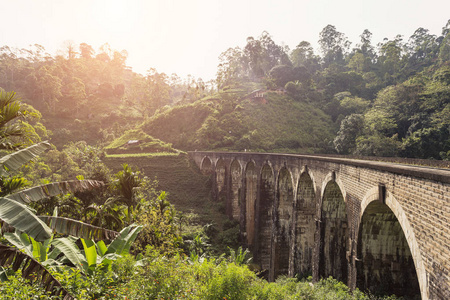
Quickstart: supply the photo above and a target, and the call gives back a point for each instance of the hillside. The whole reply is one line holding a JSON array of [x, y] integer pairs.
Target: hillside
[[236, 120], [284, 124]]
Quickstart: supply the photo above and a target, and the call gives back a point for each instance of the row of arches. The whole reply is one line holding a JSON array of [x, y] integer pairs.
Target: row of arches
[[295, 228]]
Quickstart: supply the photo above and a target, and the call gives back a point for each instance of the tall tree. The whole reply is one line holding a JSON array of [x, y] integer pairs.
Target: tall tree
[[444, 49], [158, 90], [423, 49], [86, 51], [334, 46], [303, 55], [391, 60], [231, 67]]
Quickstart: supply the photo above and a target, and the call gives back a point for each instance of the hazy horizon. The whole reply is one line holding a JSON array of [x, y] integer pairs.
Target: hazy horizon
[[187, 37]]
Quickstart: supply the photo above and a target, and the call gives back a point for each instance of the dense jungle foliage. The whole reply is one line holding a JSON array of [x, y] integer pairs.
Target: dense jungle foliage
[[91, 232]]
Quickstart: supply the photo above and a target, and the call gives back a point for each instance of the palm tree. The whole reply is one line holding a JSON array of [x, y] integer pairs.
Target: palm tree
[[126, 185], [106, 215], [14, 130]]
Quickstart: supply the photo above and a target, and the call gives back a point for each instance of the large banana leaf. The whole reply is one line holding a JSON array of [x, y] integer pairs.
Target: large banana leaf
[[121, 245], [78, 229], [20, 217], [15, 160], [53, 189], [32, 270], [72, 252], [31, 247], [21, 241], [90, 252]]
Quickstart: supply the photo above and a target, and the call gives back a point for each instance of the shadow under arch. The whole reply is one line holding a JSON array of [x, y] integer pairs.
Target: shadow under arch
[[389, 259], [236, 186], [334, 233], [305, 226], [249, 201], [285, 197], [206, 166], [265, 219], [220, 172]]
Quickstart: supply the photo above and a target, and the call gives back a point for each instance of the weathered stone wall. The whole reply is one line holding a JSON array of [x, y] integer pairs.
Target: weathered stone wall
[[251, 181], [220, 179], [283, 222], [364, 221], [333, 234], [305, 211], [236, 186], [383, 248], [262, 252]]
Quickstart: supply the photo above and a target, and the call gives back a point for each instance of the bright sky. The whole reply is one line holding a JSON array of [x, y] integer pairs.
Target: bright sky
[[187, 36]]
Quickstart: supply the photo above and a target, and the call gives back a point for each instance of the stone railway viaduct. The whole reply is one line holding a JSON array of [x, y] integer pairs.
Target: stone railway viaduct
[[377, 226]]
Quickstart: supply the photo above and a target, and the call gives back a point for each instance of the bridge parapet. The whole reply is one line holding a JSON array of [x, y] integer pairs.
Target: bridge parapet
[[363, 222]]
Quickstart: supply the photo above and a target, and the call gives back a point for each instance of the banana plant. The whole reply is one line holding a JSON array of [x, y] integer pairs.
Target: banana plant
[[94, 255], [32, 256], [15, 160], [97, 254], [14, 214]]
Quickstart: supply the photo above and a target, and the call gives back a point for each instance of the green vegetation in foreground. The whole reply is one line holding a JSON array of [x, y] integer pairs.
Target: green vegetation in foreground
[[158, 276]]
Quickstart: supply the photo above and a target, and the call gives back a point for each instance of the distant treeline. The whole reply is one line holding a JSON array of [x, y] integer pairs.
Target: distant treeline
[[389, 99]]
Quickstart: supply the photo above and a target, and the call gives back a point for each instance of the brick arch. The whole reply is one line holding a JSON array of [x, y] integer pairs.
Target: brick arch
[[285, 200], [306, 178], [220, 171], [206, 165], [249, 201], [236, 186], [333, 177], [334, 232], [396, 208], [236, 162], [311, 175], [305, 211]]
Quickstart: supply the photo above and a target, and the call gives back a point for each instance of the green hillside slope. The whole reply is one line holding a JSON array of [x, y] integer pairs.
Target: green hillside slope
[[283, 124], [234, 120]]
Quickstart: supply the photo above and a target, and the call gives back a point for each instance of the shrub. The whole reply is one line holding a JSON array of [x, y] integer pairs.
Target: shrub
[[229, 281]]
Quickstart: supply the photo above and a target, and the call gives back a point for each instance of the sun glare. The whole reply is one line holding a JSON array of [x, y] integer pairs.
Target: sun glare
[[114, 17]]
